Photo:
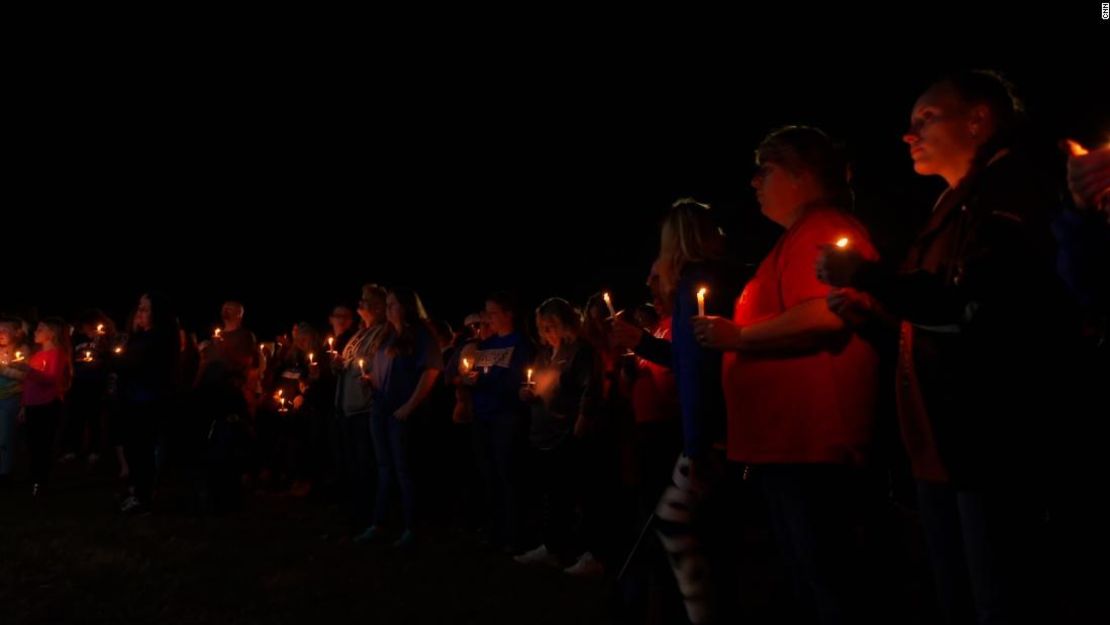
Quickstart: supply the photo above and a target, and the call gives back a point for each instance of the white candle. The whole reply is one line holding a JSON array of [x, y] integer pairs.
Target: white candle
[[609, 303], [361, 368], [529, 377], [701, 301], [466, 365]]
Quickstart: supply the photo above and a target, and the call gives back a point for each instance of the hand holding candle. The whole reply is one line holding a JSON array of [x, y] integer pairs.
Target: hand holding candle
[[1088, 172], [837, 264], [609, 304]]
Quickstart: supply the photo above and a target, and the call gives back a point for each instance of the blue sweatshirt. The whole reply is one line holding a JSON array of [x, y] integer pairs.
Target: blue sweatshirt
[[697, 369], [500, 362]]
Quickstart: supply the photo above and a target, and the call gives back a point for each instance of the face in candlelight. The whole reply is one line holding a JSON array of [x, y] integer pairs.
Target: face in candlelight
[[548, 328], [955, 118], [232, 314], [778, 191], [944, 133], [500, 318], [557, 322], [143, 314], [341, 319], [44, 334], [371, 306], [799, 167]]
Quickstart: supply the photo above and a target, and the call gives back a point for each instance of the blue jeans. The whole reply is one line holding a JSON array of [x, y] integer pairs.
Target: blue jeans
[[496, 442], [358, 463], [9, 410], [811, 508], [391, 447]]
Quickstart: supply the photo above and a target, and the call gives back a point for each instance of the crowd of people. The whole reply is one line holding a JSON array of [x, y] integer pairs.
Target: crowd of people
[[578, 435]]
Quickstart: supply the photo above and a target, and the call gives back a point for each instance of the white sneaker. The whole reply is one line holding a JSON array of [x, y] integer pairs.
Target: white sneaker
[[587, 566], [539, 555]]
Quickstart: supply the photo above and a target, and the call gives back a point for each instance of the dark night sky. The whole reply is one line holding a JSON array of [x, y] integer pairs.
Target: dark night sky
[[288, 179]]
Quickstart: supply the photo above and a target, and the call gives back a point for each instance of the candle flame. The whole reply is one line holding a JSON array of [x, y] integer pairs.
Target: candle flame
[[1076, 149], [842, 242]]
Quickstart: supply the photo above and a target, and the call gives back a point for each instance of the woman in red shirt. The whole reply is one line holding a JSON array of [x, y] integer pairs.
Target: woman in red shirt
[[46, 377], [799, 385]]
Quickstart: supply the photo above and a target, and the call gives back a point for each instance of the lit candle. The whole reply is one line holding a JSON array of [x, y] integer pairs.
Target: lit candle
[[100, 329], [311, 359], [842, 242], [18, 356], [283, 408], [1076, 149], [701, 301], [466, 365], [529, 383], [361, 368], [118, 350], [609, 303], [216, 334], [88, 356], [331, 344]]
